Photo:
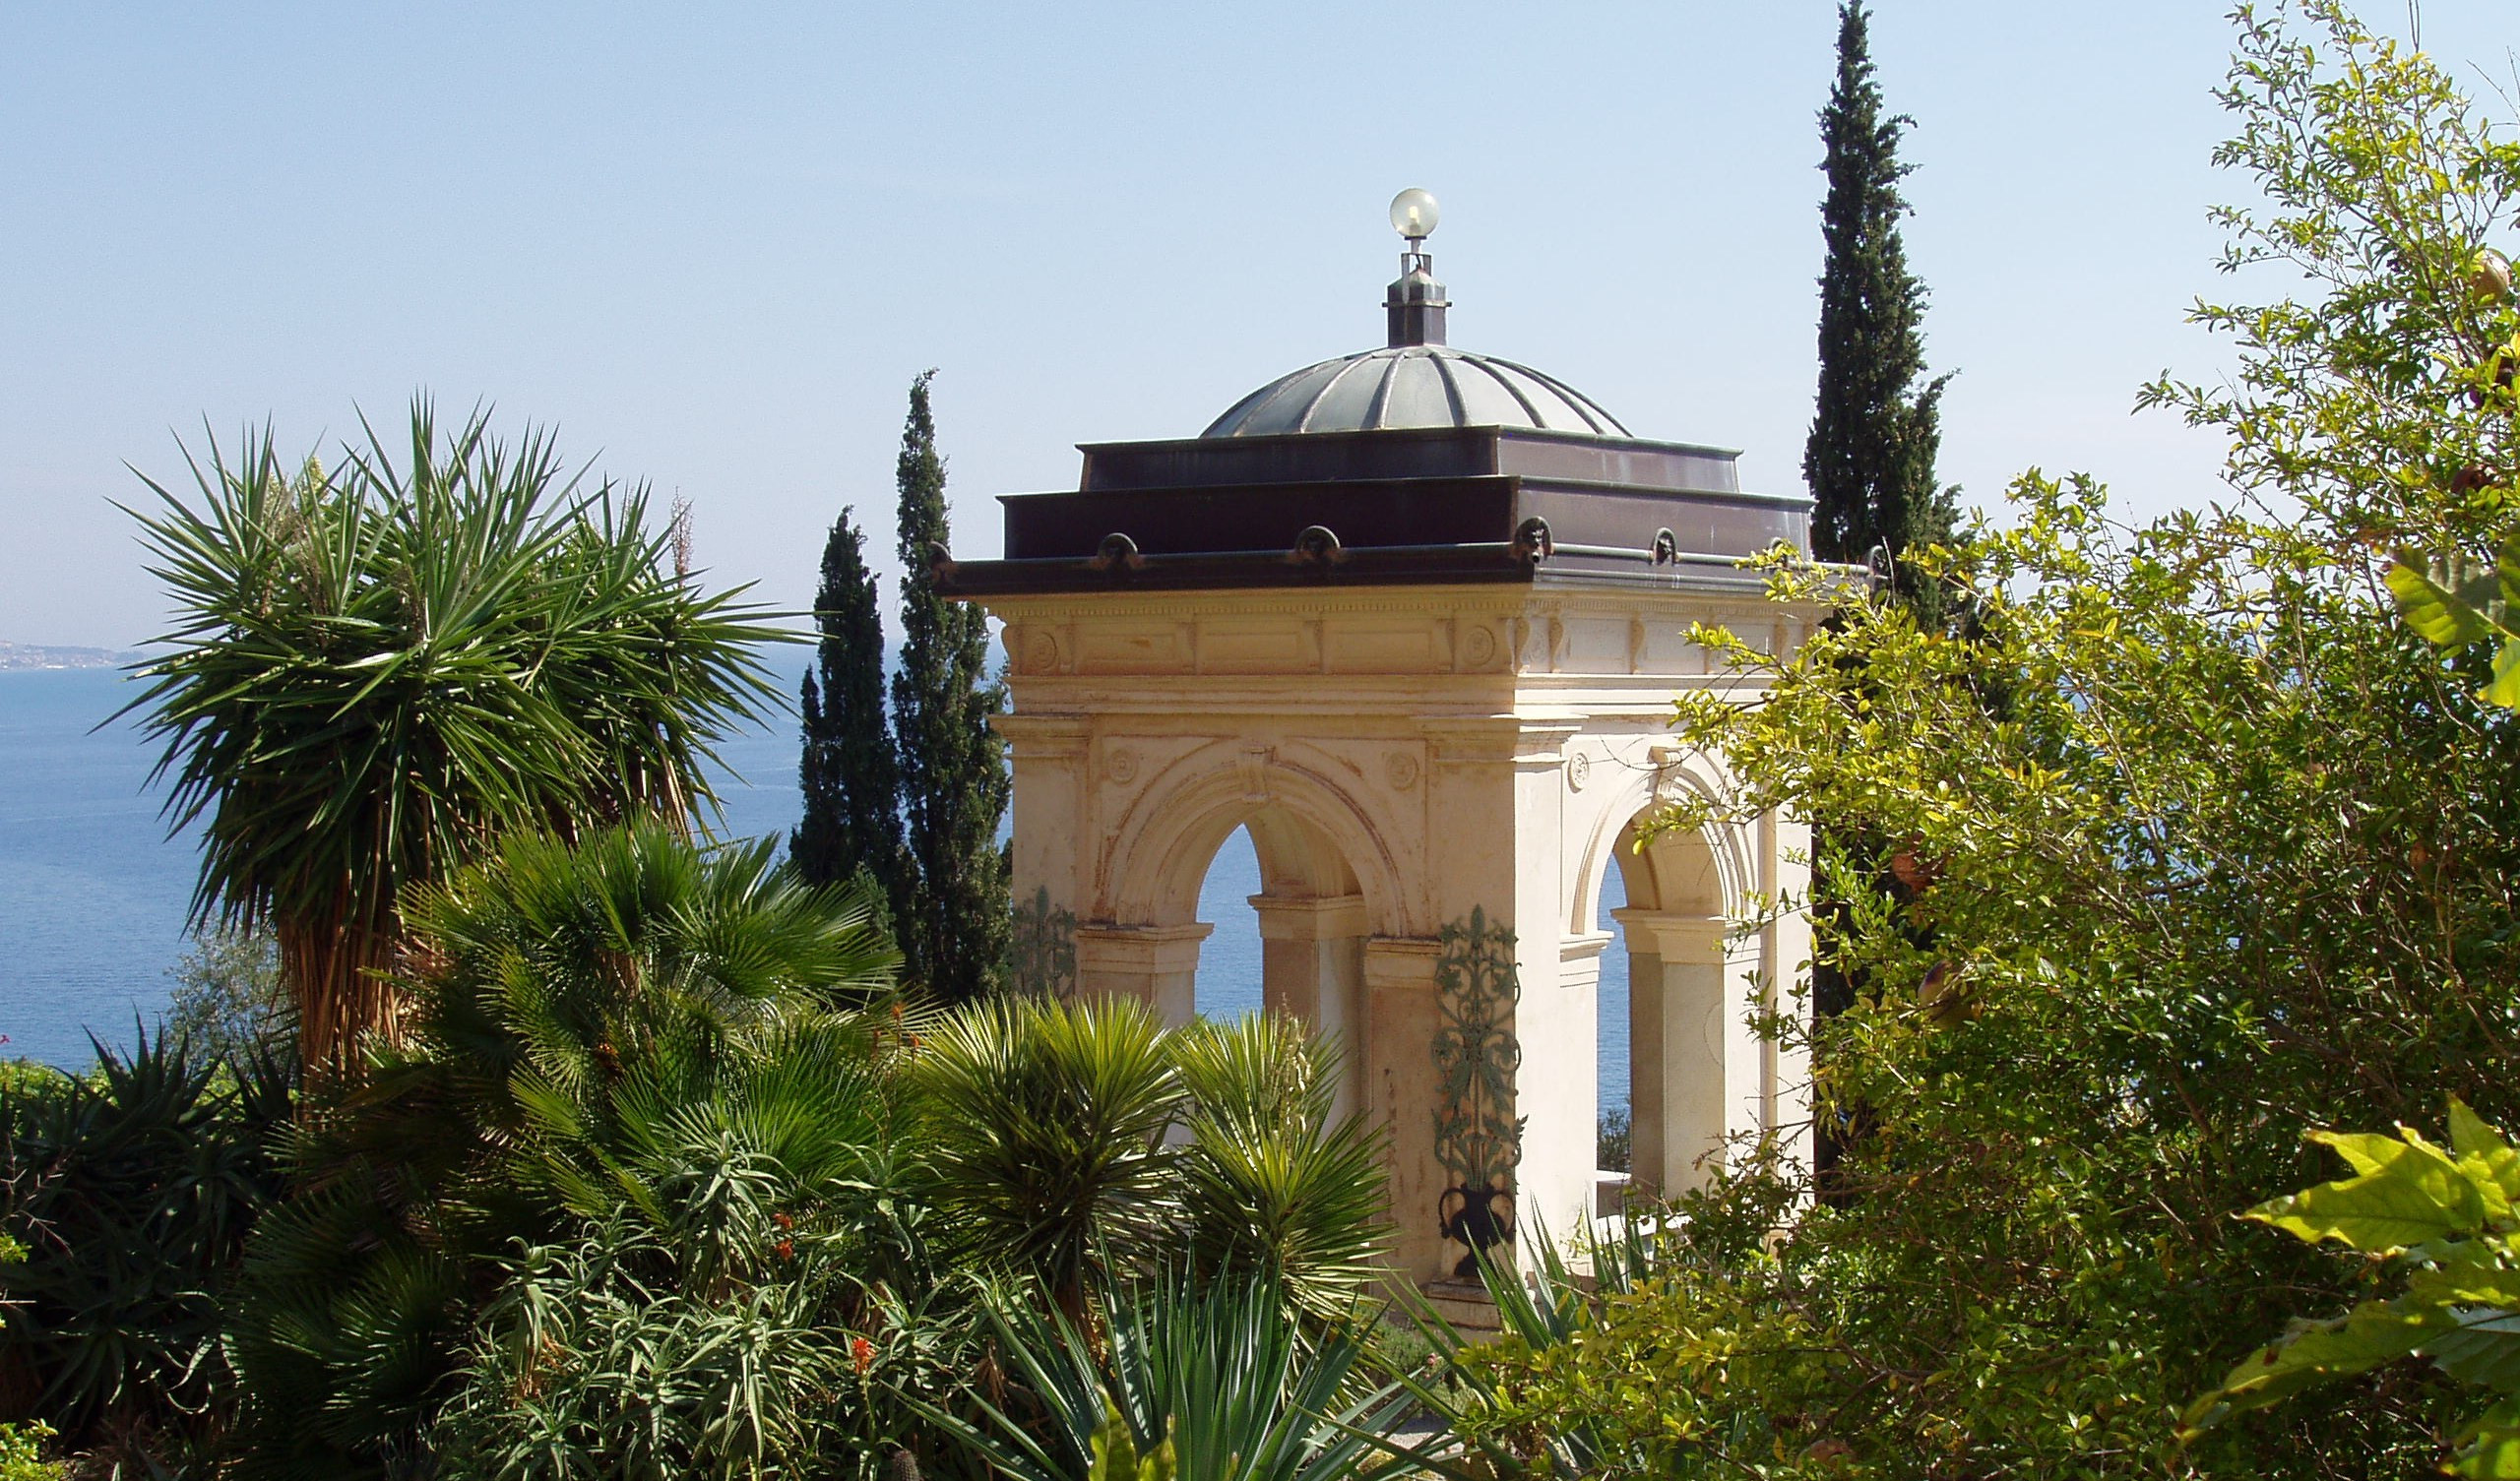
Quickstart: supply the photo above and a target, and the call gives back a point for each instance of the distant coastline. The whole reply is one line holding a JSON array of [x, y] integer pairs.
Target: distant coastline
[[23, 656]]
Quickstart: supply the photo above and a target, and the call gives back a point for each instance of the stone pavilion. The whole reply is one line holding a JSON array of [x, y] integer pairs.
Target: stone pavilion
[[1413, 617]]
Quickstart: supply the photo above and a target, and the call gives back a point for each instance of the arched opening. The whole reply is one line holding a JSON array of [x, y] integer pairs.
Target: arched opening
[[1664, 1029], [1613, 1142], [1227, 985], [1285, 928]]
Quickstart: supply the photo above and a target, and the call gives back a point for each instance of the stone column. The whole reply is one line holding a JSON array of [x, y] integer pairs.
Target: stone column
[[1684, 1069], [1051, 828], [1157, 964], [1312, 968], [1579, 999], [1398, 1037]]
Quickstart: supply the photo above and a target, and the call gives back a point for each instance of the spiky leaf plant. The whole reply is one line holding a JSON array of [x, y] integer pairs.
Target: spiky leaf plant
[[1045, 1125], [377, 670], [131, 1191], [1221, 1378], [1274, 1185]]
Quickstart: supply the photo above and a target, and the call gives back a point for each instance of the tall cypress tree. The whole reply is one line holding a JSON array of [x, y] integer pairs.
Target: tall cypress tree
[[849, 774], [1876, 432], [955, 925], [1874, 435]]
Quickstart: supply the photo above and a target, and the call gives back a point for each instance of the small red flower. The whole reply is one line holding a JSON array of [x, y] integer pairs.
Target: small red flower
[[786, 1249], [784, 1220], [861, 1354]]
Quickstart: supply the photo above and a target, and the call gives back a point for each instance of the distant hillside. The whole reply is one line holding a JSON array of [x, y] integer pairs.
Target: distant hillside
[[17, 655]]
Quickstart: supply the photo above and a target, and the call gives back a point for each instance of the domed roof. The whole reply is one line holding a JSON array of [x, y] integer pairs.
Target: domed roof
[[1413, 385]]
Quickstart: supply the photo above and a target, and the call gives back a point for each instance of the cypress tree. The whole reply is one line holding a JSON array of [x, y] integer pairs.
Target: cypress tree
[[955, 923], [1876, 431], [849, 774]]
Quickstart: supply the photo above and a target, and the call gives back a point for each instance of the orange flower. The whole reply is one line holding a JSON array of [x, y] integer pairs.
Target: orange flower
[[861, 1354]]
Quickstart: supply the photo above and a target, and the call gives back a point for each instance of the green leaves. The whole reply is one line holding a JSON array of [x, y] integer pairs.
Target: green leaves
[[2451, 1219], [377, 670], [2453, 604], [2405, 1193], [645, 1062]]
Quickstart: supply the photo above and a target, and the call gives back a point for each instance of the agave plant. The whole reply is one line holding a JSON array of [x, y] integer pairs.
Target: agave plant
[[129, 1191], [1214, 1384], [629, 1033], [379, 670]]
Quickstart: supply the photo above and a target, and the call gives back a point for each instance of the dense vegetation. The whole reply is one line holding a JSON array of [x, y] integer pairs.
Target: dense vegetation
[[2196, 848], [2182, 840]]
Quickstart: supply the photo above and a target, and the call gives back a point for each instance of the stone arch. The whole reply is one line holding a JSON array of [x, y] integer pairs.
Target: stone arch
[[1316, 907], [1314, 839], [1685, 981], [1709, 872]]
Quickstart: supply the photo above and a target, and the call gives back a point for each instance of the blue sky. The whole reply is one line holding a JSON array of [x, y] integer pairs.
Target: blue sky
[[713, 244]]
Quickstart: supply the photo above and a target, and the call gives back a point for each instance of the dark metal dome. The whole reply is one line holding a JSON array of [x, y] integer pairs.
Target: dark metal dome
[[1413, 385]]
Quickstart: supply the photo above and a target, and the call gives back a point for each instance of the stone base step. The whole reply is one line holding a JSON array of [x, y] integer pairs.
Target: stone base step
[[1464, 1304]]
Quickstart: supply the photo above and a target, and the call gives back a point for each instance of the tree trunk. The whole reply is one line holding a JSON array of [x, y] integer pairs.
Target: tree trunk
[[336, 977]]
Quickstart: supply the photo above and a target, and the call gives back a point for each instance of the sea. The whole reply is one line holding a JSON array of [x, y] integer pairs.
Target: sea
[[96, 891]]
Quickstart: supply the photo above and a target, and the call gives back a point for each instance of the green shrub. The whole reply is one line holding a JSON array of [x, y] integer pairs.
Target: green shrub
[[2444, 1220], [132, 1190], [628, 1043], [22, 1452]]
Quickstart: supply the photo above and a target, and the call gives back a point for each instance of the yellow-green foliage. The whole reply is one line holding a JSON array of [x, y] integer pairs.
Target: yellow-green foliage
[[2193, 844], [2447, 1220], [21, 1446], [22, 1452]]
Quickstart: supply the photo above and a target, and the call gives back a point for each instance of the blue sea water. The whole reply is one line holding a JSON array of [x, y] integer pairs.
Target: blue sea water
[[93, 892]]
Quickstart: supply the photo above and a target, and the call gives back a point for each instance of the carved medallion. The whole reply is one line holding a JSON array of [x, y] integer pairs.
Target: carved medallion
[[1477, 648], [1120, 765], [1400, 768], [1579, 770]]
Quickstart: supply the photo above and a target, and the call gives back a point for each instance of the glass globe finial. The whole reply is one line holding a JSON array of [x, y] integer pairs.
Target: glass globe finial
[[1414, 214]]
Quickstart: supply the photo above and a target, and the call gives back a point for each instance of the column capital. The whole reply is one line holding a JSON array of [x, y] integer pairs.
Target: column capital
[[1685, 938], [1324, 918], [1044, 735], [1139, 949]]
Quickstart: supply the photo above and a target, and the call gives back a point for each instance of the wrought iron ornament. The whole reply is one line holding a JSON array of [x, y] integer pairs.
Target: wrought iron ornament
[[1041, 952], [1478, 1137]]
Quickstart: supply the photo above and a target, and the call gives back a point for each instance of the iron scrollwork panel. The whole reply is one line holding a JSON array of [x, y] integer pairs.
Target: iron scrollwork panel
[[1479, 1139], [1041, 950]]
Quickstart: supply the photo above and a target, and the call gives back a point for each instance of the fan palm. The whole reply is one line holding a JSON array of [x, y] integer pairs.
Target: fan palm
[[628, 1032], [377, 670]]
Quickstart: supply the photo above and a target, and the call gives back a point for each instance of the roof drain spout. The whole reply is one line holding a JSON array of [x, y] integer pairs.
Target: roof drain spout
[[1413, 305]]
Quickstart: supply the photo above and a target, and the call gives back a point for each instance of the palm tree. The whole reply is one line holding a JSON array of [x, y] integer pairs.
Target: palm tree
[[377, 671], [1048, 1127], [1273, 1186]]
